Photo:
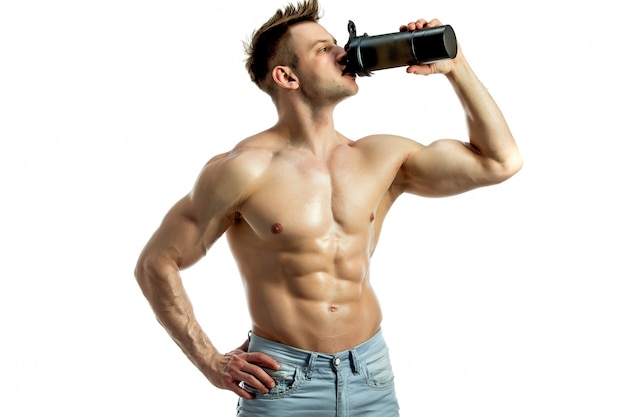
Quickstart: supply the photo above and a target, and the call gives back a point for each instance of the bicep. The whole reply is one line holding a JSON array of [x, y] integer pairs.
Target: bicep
[[184, 234], [196, 221], [445, 167]]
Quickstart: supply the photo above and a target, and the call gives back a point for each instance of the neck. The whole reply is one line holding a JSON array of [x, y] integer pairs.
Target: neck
[[308, 127]]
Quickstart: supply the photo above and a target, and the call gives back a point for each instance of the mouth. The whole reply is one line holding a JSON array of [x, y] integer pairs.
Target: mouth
[[348, 74]]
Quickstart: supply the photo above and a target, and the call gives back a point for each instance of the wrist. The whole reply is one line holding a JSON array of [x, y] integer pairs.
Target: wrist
[[206, 360], [459, 71]]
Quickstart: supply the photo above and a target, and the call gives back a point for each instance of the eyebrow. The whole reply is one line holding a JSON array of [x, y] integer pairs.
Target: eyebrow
[[327, 40]]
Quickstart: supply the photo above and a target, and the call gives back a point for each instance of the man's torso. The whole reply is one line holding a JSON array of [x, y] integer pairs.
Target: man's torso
[[303, 241]]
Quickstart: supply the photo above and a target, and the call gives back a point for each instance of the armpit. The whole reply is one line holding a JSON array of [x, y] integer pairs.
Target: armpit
[[472, 148], [235, 217]]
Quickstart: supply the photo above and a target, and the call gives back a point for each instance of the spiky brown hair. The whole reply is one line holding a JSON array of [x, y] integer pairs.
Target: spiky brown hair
[[267, 48]]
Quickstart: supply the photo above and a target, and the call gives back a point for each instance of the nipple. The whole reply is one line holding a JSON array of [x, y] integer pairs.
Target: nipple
[[277, 228]]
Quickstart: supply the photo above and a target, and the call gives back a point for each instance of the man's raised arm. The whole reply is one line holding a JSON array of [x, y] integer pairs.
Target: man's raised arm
[[448, 167]]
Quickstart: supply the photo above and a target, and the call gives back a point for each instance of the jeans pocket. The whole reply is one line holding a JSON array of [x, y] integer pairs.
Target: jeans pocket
[[378, 374], [287, 380]]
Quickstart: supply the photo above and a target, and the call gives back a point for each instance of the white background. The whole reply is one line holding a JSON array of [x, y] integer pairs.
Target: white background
[[506, 301]]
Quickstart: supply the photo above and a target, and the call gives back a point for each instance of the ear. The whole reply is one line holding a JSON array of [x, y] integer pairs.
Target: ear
[[285, 77]]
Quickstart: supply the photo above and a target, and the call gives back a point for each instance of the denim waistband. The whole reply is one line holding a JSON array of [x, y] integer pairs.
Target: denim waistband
[[299, 357]]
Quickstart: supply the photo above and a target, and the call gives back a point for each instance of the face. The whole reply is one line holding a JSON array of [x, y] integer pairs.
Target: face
[[320, 68]]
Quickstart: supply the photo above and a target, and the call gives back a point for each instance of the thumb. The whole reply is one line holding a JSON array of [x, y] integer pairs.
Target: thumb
[[420, 69]]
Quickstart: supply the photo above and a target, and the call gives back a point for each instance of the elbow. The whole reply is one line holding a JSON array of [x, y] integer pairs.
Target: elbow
[[146, 270], [514, 163], [504, 168], [153, 270], [510, 166], [142, 272]]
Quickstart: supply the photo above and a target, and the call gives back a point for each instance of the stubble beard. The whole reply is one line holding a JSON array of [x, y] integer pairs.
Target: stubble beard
[[324, 94]]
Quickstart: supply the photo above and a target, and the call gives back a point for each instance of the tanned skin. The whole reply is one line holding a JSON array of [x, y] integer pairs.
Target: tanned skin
[[302, 207]]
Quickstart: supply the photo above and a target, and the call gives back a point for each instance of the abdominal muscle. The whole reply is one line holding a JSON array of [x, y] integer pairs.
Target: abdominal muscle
[[321, 324], [311, 299]]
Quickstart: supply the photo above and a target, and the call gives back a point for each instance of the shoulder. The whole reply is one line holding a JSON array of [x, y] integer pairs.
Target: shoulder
[[247, 159], [383, 141], [233, 174], [388, 147], [395, 155]]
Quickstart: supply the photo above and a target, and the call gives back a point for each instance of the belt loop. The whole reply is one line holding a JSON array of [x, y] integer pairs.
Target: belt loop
[[354, 362], [309, 368]]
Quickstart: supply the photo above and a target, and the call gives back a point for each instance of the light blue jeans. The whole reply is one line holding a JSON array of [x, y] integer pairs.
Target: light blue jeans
[[356, 382]]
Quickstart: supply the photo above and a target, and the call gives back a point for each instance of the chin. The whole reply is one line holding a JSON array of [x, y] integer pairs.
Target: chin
[[354, 87]]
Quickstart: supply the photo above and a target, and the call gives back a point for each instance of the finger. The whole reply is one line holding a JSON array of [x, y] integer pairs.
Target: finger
[[237, 389], [420, 69], [262, 359], [420, 24], [257, 375], [417, 25], [255, 378], [433, 23]]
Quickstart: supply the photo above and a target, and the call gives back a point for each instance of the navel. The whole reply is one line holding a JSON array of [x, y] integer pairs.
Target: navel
[[372, 217], [277, 228], [333, 309]]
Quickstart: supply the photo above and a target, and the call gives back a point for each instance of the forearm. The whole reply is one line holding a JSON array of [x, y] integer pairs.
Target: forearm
[[489, 132], [162, 286]]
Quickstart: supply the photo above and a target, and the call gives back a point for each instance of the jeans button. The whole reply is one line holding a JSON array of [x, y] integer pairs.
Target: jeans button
[[337, 361]]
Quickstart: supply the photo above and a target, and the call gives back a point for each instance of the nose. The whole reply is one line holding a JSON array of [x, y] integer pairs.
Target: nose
[[341, 55]]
